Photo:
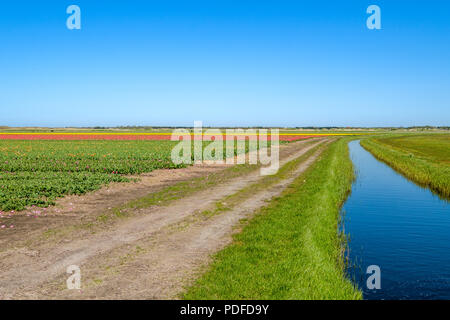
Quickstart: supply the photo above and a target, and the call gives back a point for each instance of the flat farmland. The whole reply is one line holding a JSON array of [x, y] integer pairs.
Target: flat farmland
[[36, 172], [431, 147], [422, 158], [36, 168], [165, 136]]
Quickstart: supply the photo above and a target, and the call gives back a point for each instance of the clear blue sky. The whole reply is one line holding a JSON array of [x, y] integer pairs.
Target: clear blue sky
[[228, 63]]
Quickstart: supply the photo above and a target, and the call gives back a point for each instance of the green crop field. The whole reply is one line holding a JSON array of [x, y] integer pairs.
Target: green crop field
[[37, 172], [423, 158]]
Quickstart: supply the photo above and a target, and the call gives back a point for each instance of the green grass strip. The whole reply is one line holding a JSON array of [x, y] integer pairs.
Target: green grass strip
[[425, 172], [292, 248]]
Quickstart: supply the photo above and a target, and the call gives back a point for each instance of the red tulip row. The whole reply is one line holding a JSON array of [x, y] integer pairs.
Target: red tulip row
[[94, 136]]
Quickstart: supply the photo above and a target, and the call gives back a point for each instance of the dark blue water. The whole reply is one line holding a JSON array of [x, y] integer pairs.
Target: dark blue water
[[400, 227]]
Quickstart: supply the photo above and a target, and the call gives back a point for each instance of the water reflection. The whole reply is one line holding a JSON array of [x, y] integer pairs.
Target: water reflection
[[399, 226]]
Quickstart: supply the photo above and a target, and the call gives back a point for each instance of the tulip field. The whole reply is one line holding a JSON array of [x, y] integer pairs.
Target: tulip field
[[37, 172], [36, 169], [120, 136]]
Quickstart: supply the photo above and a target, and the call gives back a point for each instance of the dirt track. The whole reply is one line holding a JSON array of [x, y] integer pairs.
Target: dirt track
[[150, 256]]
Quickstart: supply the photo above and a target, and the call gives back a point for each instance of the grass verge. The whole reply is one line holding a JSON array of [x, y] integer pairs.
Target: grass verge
[[292, 248], [408, 159]]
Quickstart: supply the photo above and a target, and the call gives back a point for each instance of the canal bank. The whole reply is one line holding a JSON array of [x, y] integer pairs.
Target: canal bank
[[398, 226]]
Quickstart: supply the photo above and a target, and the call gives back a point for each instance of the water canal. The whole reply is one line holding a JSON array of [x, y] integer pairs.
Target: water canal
[[399, 226]]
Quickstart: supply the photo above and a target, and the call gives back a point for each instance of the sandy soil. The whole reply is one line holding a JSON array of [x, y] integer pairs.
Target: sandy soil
[[149, 256]]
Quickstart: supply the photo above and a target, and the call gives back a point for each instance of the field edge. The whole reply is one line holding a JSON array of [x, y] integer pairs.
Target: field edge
[[422, 172]]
